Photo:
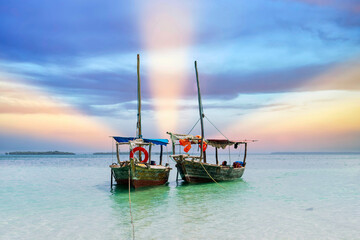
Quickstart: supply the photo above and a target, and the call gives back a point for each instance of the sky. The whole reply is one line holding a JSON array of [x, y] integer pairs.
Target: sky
[[283, 72]]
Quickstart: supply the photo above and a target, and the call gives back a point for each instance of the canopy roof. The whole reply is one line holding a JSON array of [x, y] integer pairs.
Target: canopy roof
[[223, 143], [219, 143], [176, 136], [159, 141]]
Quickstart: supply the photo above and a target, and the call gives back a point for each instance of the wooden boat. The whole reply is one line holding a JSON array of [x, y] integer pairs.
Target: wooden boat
[[140, 172], [194, 169]]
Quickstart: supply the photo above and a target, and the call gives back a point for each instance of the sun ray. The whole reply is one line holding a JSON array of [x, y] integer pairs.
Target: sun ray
[[167, 30]]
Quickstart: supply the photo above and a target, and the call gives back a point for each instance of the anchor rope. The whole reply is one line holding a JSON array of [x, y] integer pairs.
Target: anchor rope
[[132, 221], [210, 175]]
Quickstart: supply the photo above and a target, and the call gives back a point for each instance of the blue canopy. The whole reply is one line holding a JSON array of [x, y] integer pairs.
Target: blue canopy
[[162, 142]]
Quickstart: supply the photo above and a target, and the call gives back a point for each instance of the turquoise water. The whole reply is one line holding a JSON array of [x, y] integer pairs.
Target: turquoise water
[[279, 197]]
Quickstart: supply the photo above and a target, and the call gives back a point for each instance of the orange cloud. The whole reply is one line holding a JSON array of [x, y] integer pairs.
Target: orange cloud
[[29, 110], [345, 76], [321, 119]]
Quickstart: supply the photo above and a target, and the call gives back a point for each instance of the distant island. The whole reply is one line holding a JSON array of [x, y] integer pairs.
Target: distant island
[[40, 153], [299, 153]]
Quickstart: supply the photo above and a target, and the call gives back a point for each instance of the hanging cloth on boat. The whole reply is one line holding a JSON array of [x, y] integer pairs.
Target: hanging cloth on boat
[[220, 143], [185, 143]]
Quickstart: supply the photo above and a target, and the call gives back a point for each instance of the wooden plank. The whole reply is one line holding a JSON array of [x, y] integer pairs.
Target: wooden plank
[[161, 154], [216, 155], [244, 161]]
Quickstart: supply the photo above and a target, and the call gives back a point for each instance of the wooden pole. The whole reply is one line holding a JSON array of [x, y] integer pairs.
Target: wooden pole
[[177, 170], [111, 181], [173, 148], [149, 154], [245, 154], [131, 170], [139, 97], [117, 153], [139, 103], [201, 115], [161, 153], [216, 155]]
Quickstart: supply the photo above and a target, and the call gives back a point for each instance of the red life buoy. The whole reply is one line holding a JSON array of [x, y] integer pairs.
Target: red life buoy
[[142, 150], [204, 145]]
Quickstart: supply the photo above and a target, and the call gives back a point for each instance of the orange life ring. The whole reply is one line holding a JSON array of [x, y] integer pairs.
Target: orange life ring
[[204, 146], [142, 150]]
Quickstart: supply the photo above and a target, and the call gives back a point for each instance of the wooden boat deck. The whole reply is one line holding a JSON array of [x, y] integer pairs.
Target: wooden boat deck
[[140, 174], [193, 171]]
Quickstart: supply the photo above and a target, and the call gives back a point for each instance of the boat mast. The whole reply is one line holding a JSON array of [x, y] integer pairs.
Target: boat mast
[[139, 135], [201, 115]]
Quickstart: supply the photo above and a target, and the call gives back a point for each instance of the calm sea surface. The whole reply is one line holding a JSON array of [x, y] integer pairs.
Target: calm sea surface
[[279, 197]]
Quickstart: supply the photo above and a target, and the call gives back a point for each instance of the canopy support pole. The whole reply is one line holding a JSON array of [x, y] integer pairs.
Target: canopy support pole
[[111, 181], [117, 153], [216, 155], [149, 161], [245, 154], [161, 154]]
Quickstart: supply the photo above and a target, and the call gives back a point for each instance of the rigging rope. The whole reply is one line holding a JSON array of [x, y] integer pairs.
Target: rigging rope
[[132, 221], [229, 156], [239, 152], [112, 151], [119, 146], [210, 175], [194, 126], [216, 128]]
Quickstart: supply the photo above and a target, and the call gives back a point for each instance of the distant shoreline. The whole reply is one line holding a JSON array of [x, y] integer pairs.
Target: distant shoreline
[[39, 153], [311, 153], [165, 153]]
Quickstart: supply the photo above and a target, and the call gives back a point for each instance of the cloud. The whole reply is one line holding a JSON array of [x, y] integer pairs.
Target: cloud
[[82, 57], [28, 111], [343, 76], [352, 6], [71, 28]]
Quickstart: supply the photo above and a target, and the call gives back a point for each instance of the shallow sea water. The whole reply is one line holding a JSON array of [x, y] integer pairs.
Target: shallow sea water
[[279, 197]]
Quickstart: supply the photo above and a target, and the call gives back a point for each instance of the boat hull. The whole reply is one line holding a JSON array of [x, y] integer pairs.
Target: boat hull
[[140, 175], [193, 171]]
